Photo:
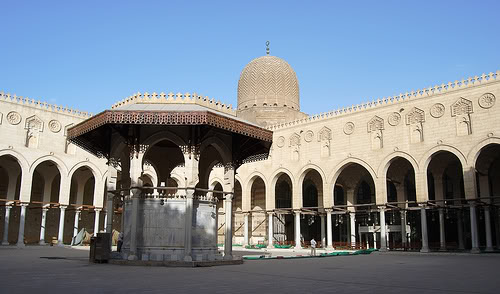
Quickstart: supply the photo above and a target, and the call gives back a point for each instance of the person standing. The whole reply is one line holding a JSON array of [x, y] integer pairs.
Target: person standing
[[120, 242], [313, 247]]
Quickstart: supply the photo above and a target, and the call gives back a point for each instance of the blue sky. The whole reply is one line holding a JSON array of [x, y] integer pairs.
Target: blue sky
[[90, 54]]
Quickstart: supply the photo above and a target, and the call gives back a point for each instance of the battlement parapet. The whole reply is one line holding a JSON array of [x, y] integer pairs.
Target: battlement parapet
[[178, 98], [43, 105], [422, 93]]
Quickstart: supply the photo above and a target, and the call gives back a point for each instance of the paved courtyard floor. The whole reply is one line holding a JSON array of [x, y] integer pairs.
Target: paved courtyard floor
[[67, 270]]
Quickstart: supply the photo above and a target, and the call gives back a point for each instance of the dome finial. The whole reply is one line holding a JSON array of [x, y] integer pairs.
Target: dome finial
[[267, 47]]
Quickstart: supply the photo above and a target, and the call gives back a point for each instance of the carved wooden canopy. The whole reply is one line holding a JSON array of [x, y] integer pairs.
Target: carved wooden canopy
[[95, 133]]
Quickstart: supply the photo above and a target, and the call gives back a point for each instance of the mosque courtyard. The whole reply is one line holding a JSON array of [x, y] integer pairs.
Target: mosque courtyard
[[40, 269]]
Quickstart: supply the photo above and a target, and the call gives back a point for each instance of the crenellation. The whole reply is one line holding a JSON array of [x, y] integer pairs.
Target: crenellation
[[186, 98], [427, 92], [41, 105]]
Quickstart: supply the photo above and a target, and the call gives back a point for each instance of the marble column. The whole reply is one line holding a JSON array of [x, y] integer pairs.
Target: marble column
[[298, 244], [60, 234], [188, 226], [96, 220], [270, 234], [75, 224], [135, 171], [375, 240], [425, 238], [487, 228], [442, 234], [383, 231], [229, 179], [5, 240], [110, 185], [329, 229], [228, 232], [460, 230], [403, 227], [22, 219], [245, 229], [42, 226], [473, 228], [323, 232], [352, 229]]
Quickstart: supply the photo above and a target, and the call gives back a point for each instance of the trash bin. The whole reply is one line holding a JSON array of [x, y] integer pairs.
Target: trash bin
[[99, 248]]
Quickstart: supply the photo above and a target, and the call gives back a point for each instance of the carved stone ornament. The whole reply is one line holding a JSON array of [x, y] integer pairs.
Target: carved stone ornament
[[394, 119], [461, 106], [416, 115], [13, 118], [325, 134], [487, 100], [437, 110], [54, 126], [295, 140], [34, 122], [309, 136], [375, 124], [1, 117], [280, 142], [349, 128]]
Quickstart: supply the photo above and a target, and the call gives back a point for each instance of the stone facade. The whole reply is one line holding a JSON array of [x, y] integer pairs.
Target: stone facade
[[374, 174]]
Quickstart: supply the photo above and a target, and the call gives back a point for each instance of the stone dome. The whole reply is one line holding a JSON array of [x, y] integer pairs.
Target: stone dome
[[268, 81]]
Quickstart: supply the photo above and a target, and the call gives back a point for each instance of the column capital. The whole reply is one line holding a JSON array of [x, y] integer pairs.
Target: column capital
[[63, 207], [228, 197], [25, 204], [97, 209], [328, 210], [270, 212]]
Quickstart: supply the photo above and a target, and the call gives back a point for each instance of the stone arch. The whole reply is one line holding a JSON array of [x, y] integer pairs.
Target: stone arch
[[214, 183], [303, 172], [252, 177], [91, 166], [255, 201], [151, 176], [220, 146], [476, 150], [275, 176], [345, 163], [23, 163], [386, 162], [160, 136], [426, 158], [63, 169]]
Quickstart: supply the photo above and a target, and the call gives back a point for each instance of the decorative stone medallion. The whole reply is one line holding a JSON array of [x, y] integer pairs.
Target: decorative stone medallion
[[487, 100], [13, 118], [437, 110], [54, 126], [309, 136], [349, 128], [394, 119], [280, 142]]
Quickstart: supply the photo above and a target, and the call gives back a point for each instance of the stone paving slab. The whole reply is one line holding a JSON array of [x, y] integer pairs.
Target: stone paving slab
[[66, 270]]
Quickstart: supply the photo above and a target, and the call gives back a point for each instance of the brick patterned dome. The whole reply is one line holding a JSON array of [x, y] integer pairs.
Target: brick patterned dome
[[268, 81]]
